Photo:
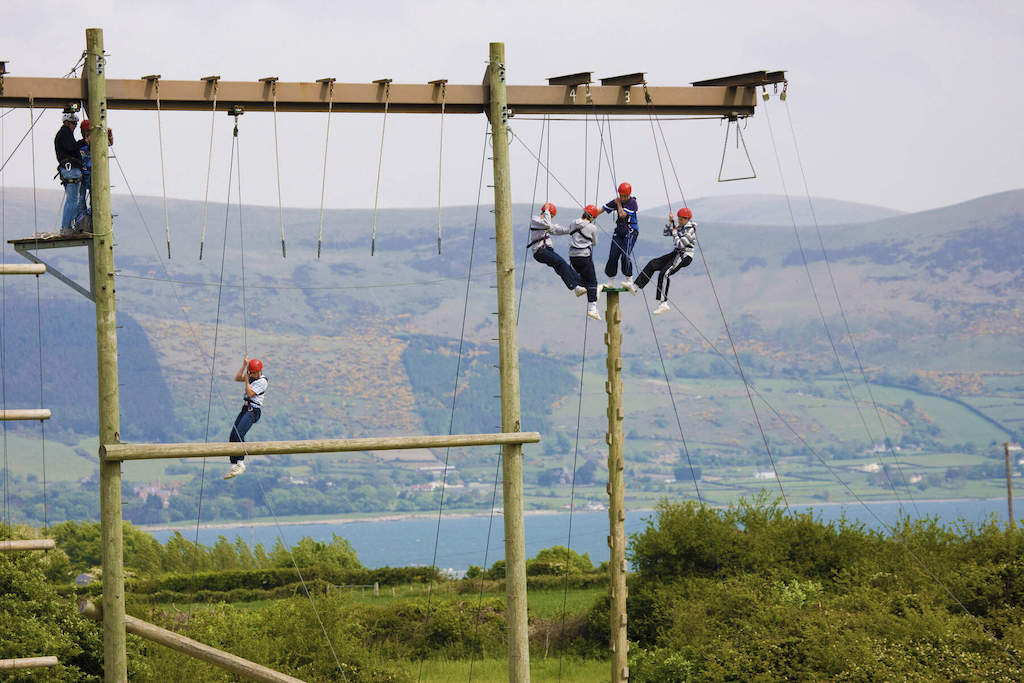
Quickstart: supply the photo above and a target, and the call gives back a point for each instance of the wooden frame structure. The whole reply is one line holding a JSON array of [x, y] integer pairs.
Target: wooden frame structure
[[731, 97]]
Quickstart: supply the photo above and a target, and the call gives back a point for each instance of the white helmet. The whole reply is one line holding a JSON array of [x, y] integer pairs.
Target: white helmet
[[69, 116]]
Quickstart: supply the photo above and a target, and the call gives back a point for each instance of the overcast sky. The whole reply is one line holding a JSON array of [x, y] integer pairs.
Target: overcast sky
[[909, 105]]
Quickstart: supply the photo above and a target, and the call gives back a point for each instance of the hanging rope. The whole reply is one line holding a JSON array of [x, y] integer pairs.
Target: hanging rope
[[209, 160], [241, 240], [386, 82], [443, 84], [455, 388], [39, 312], [277, 168], [3, 320], [329, 82], [163, 175], [533, 207]]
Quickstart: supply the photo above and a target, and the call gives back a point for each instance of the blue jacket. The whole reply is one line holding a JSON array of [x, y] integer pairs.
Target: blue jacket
[[623, 225]]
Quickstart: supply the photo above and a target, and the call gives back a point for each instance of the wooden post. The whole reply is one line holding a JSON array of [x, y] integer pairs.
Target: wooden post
[[616, 503], [508, 351], [115, 662], [1009, 486], [176, 641]]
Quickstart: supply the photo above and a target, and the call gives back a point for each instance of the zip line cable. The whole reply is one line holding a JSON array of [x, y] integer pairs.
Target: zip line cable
[[323, 180], [277, 167], [328, 288], [380, 163], [835, 289], [23, 138], [205, 358], [824, 322], [209, 167], [455, 388]]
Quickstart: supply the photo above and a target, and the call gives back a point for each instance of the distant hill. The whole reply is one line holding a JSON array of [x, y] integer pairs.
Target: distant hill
[[767, 209]]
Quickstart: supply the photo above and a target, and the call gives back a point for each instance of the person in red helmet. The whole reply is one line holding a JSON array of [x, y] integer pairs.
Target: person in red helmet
[[251, 373], [541, 230], [684, 237], [624, 238]]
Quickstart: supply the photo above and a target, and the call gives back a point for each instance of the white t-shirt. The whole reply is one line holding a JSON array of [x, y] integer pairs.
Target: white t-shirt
[[260, 387]]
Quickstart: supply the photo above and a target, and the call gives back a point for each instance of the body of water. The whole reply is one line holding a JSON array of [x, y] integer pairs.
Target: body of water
[[463, 541]]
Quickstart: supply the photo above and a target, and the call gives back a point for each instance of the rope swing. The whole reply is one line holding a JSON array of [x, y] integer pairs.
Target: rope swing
[[155, 80], [212, 80], [272, 82], [386, 82], [329, 84], [442, 83]]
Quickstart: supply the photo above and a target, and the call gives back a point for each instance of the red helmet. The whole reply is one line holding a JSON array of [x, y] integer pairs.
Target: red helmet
[[255, 365], [85, 126], [684, 213], [550, 208], [625, 188], [592, 210]]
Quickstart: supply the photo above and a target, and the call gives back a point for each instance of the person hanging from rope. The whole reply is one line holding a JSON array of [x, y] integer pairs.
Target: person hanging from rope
[[684, 237], [582, 240], [624, 238], [251, 373], [69, 168], [541, 229], [83, 218]]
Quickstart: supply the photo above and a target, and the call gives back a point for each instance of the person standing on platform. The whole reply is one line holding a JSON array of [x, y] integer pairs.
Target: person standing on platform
[[624, 238], [69, 168], [251, 373], [541, 229], [684, 238], [84, 214]]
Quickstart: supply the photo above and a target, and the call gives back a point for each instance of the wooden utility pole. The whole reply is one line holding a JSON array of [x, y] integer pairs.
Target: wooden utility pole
[[616, 493], [115, 661], [508, 353], [1009, 486]]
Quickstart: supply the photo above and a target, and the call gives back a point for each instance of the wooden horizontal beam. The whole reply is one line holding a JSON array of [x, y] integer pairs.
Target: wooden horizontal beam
[[28, 544], [156, 451], [192, 648], [25, 414], [409, 98], [27, 663], [22, 269]]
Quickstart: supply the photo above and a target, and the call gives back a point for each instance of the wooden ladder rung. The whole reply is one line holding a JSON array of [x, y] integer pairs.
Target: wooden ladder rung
[[27, 663], [28, 544], [25, 414]]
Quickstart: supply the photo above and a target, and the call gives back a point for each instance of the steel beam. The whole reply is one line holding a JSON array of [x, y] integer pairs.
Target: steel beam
[[155, 451], [409, 98], [581, 78], [754, 78]]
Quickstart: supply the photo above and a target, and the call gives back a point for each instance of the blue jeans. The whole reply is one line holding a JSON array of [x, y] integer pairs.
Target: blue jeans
[[621, 250], [550, 257], [584, 265], [72, 179], [245, 420], [83, 190]]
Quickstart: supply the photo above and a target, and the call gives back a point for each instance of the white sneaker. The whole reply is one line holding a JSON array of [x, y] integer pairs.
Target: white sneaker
[[627, 284], [580, 290], [601, 288], [592, 311], [235, 470], [663, 307], [610, 285]]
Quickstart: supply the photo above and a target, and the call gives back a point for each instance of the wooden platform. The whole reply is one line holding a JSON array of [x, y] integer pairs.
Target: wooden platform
[[51, 240]]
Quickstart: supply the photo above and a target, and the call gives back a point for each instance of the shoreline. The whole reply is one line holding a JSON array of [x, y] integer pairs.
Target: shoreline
[[401, 517]]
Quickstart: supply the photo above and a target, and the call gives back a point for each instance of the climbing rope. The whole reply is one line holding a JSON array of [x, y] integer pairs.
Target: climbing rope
[[39, 313], [163, 175], [380, 162], [329, 82], [277, 168], [209, 164], [3, 322], [533, 206], [455, 388], [440, 156]]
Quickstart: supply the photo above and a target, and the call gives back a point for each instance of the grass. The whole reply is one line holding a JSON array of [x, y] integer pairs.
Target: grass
[[495, 670]]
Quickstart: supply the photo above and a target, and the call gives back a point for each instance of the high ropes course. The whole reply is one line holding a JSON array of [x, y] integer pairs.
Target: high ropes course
[[573, 97]]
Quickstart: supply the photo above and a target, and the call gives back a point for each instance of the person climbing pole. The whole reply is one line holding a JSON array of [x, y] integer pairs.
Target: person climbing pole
[[83, 218], [69, 168], [541, 229], [582, 240], [684, 237], [624, 238], [251, 373]]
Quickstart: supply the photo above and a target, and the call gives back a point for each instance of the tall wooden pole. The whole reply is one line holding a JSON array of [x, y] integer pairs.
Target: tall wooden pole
[[115, 662], [1009, 486], [508, 351], [616, 494]]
